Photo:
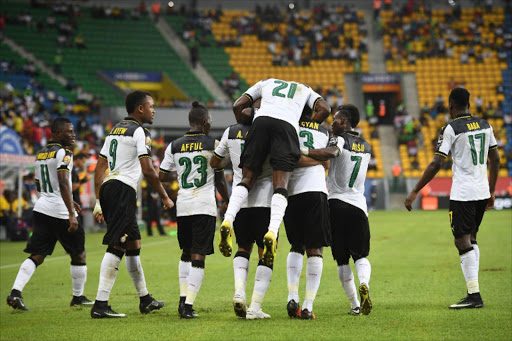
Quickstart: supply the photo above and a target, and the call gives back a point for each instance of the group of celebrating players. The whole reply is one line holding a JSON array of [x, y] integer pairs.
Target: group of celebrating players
[[280, 152]]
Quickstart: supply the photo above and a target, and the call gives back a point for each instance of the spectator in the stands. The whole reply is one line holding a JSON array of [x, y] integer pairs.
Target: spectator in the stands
[[479, 103], [80, 42]]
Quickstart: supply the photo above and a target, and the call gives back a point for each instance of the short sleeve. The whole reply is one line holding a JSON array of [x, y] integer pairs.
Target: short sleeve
[[445, 141], [142, 142], [492, 141], [168, 162], [221, 151], [64, 160], [254, 92], [313, 98]]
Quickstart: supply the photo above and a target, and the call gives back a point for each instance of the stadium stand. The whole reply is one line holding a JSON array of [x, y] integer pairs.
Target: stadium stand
[[112, 44], [445, 52], [267, 44], [195, 29]]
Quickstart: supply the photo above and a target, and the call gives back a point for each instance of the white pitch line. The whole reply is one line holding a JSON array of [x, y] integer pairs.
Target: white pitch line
[[50, 258]]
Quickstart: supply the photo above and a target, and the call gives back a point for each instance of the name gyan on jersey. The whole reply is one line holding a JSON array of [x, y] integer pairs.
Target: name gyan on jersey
[[190, 147], [311, 125]]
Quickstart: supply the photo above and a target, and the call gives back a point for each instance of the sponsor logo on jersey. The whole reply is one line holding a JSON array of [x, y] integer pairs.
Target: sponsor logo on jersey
[[67, 160]]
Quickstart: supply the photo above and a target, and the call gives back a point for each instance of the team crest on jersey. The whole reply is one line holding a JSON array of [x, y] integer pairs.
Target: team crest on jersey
[[66, 160], [148, 142]]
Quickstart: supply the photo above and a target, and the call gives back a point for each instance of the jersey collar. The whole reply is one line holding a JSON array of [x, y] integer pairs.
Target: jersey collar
[[462, 116], [353, 133], [128, 118], [194, 133], [53, 143]]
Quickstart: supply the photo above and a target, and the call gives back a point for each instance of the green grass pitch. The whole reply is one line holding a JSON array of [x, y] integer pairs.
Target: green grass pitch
[[415, 276]]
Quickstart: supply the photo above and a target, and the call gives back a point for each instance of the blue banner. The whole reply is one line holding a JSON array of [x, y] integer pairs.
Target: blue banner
[[133, 76], [10, 142]]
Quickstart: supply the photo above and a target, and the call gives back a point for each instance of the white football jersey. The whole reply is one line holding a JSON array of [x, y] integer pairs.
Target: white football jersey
[[312, 135], [347, 172], [282, 100], [52, 159], [190, 155], [124, 145], [469, 139], [232, 143]]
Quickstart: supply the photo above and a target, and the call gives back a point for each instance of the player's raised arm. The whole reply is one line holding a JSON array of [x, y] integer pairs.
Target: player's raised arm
[[321, 110]]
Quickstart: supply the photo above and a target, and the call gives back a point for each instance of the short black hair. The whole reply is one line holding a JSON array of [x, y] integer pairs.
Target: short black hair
[[135, 98], [58, 124], [197, 113], [459, 97], [351, 112], [80, 156]]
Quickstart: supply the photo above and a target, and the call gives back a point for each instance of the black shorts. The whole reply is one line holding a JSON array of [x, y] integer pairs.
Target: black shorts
[[250, 225], [119, 206], [196, 233], [306, 220], [350, 232], [271, 136], [466, 216], [47, 230]]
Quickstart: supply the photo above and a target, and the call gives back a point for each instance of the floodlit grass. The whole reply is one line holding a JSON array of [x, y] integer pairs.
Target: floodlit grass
[[415, 276]]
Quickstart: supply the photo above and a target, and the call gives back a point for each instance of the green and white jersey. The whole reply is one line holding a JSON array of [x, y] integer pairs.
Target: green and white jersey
[[232, 143], [347, 172], [282, 100], [190, 155], [52, 159], [312, 135], [469, 139], [124, 145]]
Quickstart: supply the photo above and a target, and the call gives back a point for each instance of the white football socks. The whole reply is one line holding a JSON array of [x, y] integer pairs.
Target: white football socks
[[347, 282], [364, 271], [469, 266], [184, 273], [277, 210], [137, 274], [195, 280], [261, 283], [241, 271], [78, 279], [26, 271], [293, 271], [237, 199], [108, 273], [313, 275], [477, 251]]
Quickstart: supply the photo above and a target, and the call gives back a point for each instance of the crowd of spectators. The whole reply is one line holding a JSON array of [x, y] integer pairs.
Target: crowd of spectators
[[317, 34], [415, 33]]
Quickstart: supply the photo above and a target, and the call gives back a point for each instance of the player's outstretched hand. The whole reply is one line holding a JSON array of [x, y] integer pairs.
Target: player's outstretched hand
[[167, 203], [78, 209], [98, 213], [409, 200], [73, 224], [490, 202]]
